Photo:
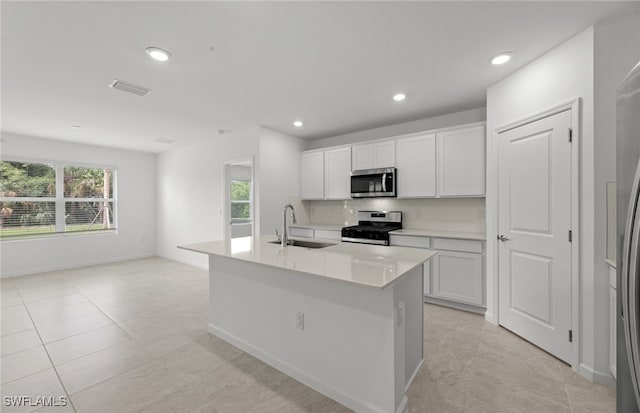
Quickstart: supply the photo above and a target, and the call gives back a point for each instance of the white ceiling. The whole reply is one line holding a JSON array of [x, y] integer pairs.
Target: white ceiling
[[335, 65]]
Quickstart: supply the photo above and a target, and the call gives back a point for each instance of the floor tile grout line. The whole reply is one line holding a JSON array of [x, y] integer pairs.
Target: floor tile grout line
[[51, 361]]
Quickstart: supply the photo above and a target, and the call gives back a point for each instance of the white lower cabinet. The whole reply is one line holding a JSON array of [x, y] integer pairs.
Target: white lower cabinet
[[455, 276], [458, 276]]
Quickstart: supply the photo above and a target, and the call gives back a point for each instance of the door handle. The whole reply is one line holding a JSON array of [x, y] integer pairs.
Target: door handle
[[502, 238], [384, 182]]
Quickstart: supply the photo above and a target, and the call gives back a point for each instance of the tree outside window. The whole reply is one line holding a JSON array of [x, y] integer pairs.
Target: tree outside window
[[240, 201], [37, 199]]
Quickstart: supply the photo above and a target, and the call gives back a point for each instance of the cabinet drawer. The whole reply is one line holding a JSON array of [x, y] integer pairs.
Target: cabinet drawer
[[334, 235], [301, 232], [409, 241], [461, 245]]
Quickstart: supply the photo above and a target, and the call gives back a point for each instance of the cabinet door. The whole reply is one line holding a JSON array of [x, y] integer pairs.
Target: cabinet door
[[461, 162], [458, 276], [362, 157], [337, 173], [312, 175], [416, 163], [384, 154]]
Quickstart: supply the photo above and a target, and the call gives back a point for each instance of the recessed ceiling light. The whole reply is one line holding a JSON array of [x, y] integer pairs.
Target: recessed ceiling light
[[501, 58], [158, 54], [165, 140], [298, 123], [76, 126], [399, 97]]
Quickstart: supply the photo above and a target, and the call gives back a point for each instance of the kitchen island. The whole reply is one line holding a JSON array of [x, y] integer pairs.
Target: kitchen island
[[345, 320]]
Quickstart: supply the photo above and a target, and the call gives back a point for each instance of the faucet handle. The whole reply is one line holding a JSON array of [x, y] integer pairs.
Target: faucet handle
[[278, 236]]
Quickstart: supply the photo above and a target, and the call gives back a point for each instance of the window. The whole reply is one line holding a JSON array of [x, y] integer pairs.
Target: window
[[240, 201], [37, 199]]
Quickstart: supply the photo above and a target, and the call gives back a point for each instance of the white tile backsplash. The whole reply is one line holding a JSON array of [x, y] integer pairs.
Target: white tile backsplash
[[445, 214]]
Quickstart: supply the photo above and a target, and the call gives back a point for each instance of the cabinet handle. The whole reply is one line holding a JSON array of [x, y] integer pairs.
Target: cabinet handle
[[503, 238]]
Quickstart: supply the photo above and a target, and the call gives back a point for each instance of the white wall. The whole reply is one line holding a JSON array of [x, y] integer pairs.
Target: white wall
[[279, 176], [136, 194], [436, 122], [559, 76], [191, 192], [617, 51]]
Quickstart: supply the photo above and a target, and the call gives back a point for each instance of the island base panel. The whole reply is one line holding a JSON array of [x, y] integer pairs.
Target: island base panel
[[358, 345]]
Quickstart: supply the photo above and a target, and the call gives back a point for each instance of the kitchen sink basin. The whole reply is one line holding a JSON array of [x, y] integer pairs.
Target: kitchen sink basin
[[304, 244]]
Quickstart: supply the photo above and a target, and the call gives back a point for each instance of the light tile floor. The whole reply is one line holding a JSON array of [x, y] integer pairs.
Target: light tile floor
[[131, 337]]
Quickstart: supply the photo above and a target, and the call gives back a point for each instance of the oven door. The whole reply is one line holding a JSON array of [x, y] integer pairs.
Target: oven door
[[373, 183]]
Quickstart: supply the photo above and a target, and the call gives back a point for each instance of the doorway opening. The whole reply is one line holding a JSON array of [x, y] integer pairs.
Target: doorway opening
[[239, 198]]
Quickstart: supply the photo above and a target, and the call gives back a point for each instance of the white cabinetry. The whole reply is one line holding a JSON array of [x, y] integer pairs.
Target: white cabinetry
[[312, 175], [373, 155], [325, 174], [461, 162], [448, 163], [337, 173], [612, 321], [455, 276], [416, 163]]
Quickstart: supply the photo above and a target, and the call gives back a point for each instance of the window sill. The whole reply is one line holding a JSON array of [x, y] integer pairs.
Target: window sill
[[43, 237]]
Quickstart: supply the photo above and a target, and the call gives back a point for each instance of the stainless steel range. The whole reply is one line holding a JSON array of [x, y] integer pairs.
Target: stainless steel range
[[373, 227]]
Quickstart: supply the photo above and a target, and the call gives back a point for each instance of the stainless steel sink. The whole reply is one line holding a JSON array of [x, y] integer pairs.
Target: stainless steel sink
[[304, 244]]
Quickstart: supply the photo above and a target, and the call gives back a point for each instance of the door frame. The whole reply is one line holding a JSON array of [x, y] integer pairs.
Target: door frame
[[226, 208], [574, 106]]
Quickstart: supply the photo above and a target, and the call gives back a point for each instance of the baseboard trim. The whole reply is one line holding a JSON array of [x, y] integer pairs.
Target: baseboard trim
[[452, 304], [413, 376], [182, 260], [595, 376], [316, 384], [76, 265], [490, 318]]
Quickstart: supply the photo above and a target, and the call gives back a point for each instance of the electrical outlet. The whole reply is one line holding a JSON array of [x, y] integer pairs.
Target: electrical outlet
[[299, 320]]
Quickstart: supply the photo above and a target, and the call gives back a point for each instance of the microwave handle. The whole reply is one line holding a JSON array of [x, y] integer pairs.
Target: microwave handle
[[384, 182]]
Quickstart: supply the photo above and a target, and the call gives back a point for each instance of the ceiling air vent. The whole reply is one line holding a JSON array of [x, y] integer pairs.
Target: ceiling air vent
[[128, 87]]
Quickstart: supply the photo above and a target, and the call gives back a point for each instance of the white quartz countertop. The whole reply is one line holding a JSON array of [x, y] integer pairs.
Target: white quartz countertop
[[362, 264], [479, 236]]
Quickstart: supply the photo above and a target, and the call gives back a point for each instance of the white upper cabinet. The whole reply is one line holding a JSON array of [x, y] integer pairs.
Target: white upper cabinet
[[312, 175], [337, 173], [416, 163], [373, 155], [461, 162]]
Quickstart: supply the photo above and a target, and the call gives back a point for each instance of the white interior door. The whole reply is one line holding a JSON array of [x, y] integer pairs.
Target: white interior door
[[534, 254]]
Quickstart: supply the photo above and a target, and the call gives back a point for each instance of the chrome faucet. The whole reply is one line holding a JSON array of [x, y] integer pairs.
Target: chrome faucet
[[285, 235]]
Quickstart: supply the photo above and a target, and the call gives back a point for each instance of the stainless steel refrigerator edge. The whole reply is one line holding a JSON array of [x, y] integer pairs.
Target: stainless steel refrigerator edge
[[628, 243]]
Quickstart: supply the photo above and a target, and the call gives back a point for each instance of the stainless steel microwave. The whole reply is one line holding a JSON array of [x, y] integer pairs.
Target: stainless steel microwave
[[369, 183]]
